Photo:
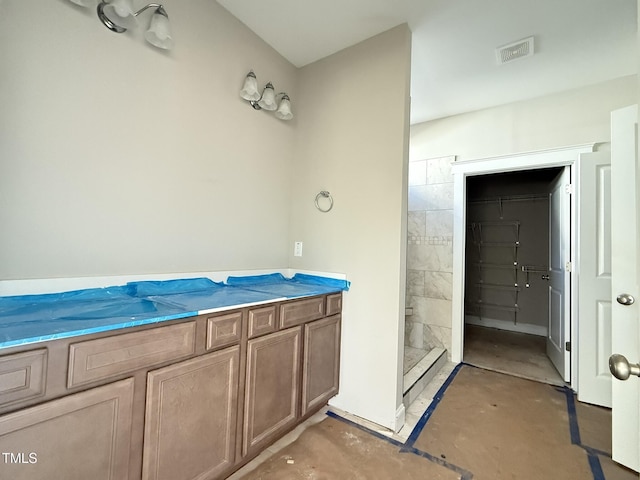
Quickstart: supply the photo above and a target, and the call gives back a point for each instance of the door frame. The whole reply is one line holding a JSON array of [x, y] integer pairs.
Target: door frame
[[559, 157]]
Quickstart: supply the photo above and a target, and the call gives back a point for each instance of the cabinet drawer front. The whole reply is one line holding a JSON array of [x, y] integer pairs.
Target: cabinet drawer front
[[301, 311], [22, 375], [262, 320], [105, 357], [224, 330], [334, 304]]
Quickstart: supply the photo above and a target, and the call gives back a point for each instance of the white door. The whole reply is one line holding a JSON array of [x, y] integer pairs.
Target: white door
[[559, 277], [625, 334], [594, 287]]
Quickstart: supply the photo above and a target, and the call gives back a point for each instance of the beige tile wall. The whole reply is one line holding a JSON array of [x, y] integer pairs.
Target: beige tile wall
[[430, 253]]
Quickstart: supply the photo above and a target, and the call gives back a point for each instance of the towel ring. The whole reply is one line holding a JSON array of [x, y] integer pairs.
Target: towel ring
[[324, 194]]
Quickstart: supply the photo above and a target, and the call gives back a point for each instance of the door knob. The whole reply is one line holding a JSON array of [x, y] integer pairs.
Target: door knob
[[621, 368], [625, 299], [545, 277]]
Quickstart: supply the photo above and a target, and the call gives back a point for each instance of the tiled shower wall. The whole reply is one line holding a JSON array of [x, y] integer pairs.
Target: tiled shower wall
[[430, 254]]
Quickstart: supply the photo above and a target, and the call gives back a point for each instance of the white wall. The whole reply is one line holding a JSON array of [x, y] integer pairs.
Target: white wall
[[116, 157], [120, 159], [352, 141], [568, 118]]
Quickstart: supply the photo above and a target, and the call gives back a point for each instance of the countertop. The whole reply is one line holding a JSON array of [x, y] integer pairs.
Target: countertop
[[30, 319]]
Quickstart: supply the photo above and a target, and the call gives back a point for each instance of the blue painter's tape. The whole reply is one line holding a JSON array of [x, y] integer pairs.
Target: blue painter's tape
[[574, 431], [429, 411], [596, 467], [464, 474]]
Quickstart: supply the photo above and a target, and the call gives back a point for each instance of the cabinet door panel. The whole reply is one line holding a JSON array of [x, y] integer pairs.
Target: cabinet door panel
[[272, 387], [321, 362], [190, 422], [83, 436]]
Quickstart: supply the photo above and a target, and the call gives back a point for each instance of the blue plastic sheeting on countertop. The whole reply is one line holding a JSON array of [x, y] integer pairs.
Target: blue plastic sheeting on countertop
[[47, 321], [214, 298], [276, 283], [167, 287], [32, 318], [91, 294], [317, 280], [269, 279]]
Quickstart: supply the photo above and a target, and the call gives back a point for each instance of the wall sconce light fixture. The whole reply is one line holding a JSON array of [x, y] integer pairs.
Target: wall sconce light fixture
[[268, 99], [118, 16]]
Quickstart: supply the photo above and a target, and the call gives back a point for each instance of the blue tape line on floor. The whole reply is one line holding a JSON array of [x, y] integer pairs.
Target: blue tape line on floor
[[574, 430], [413, 437], [573, 415], [464, 474], [596, 467]]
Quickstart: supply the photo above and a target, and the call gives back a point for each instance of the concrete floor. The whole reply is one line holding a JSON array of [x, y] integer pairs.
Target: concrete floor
[[517, 354], [489, 398], [412, 415]]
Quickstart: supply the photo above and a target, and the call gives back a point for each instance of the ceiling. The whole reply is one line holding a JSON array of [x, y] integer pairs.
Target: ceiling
[[454, 67]]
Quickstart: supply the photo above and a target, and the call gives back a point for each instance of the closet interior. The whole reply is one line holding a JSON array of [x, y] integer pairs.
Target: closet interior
[[506, 273]]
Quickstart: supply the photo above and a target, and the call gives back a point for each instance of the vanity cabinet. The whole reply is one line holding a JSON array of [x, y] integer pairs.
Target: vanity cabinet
[[321, 363], [190, 419], [272, 388], [82, 436], [192, 399]]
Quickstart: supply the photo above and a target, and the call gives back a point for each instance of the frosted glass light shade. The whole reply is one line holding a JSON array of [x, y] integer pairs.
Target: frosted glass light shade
[[284, 109], [268, 100], [120, 12], [250, 88], [159, 33]]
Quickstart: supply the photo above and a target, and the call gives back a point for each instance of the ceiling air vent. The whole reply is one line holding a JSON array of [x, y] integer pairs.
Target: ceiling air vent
[[513, 51]]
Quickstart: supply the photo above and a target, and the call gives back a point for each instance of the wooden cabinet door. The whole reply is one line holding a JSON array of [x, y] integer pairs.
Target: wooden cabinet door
[[272, 387], [85, 436], [190, 421], [321, 371]]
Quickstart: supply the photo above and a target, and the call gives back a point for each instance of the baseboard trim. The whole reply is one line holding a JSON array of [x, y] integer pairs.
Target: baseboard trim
[[400, 418]]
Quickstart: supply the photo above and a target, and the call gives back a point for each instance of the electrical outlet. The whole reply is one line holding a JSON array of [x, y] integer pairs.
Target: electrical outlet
[[297, 249]]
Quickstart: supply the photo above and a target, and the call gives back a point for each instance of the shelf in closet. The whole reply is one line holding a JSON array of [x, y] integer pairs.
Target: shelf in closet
[[497, 244], [494, 306], [514, 223], [496, 265], [493, 286]]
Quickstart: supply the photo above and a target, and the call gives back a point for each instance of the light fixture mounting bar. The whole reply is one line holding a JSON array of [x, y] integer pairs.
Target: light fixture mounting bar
[[117, 28]]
